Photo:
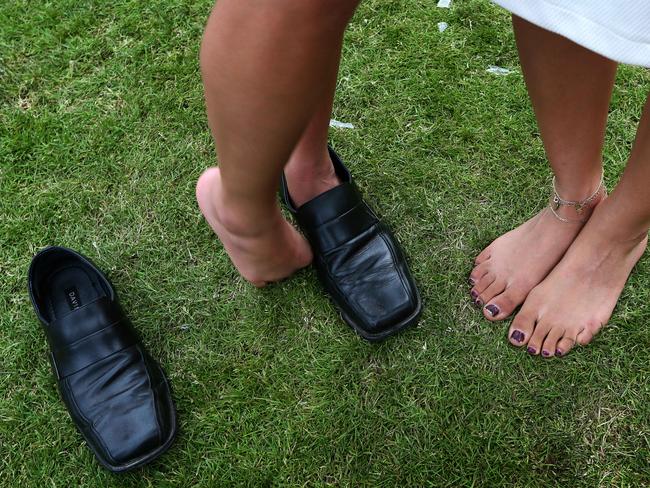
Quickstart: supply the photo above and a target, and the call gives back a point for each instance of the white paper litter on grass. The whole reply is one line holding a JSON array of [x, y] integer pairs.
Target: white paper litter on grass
[[442, 26], [341, 125], [498, 70], [444, 3]]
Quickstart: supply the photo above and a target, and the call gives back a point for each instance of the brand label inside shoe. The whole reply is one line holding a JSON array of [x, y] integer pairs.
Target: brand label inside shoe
[[72, 296]]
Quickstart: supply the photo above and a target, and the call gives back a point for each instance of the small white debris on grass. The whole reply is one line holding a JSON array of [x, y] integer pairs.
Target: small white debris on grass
[[24, 103], [442, 26], [341, 125], [444, 3], [498, 70]]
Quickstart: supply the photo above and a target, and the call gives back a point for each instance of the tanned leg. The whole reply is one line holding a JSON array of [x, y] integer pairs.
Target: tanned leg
[[267, 69], [570, 88], [577, 299]]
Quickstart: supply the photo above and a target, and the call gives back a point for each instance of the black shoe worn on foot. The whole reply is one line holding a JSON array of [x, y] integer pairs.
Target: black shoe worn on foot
[[117, 395], [358, 260]]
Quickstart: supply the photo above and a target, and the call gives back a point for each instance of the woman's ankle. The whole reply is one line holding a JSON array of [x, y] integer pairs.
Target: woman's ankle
[[577, 210], [578, 189], [615, 223]]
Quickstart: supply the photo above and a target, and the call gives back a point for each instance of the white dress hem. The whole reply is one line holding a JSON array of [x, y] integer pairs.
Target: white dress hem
[[582, 30]]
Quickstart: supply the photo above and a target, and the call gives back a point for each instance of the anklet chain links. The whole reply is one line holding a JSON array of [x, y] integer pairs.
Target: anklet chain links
[[579, 206]]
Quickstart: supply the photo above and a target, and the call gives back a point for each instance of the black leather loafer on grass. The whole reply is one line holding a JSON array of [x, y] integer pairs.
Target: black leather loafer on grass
[[358, 260], [117, 395]]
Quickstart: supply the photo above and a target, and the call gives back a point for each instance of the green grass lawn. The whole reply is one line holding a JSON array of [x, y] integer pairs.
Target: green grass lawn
[[102, 137]]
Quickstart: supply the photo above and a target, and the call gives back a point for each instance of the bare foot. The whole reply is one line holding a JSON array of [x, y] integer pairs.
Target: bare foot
[[262, 253], [509, 268], [577, 298]]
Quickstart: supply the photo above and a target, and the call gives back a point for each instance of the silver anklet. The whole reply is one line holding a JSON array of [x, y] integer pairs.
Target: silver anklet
[[578, 206]]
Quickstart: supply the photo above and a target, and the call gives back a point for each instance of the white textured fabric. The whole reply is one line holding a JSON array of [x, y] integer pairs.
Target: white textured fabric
[[616, 29]]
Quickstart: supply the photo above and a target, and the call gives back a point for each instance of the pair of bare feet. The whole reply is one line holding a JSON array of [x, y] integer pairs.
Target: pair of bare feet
[[567, 275]]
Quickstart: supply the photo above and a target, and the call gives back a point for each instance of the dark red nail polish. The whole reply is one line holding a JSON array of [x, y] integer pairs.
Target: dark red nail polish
[[471, 282], [493, 310], [531, 350], [517, 335], [558, 352], [474, 294], [478, 302], [545, 353]]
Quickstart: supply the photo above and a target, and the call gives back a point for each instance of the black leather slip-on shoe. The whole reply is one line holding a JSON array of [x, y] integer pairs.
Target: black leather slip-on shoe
[[117, 395], [357, 258]]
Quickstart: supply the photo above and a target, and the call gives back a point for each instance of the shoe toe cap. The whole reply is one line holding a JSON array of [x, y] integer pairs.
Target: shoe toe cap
[[125, 407], [387, 304]]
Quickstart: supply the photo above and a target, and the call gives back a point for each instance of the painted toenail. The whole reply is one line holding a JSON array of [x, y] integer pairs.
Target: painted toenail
[[545, 353], [558, 352], [493, 310], [531, 350], [517, 335], [478, 302], [471, 281], [474, 294]]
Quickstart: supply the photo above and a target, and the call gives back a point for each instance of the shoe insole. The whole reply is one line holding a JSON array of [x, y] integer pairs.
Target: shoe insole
[[70, 288]]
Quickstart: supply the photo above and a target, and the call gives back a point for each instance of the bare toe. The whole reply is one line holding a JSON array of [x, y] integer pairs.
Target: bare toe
[[550, 343], [483, 256], [585, 337], [482, 285], [477, 273], [565, 344], [503, 305], [537, 339], [496, 287], [522, 328]]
